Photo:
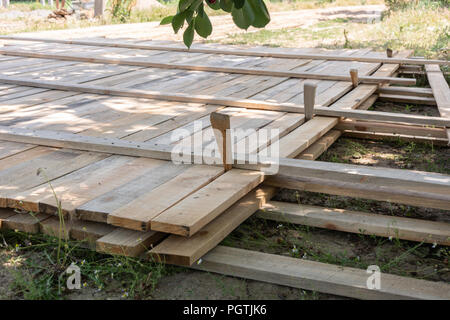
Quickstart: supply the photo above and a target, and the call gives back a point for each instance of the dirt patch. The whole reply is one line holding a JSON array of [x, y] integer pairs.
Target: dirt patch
[[195, 285], [412, 259]]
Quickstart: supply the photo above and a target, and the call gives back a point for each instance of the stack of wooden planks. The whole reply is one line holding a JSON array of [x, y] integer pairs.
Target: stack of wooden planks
[[87, 132]]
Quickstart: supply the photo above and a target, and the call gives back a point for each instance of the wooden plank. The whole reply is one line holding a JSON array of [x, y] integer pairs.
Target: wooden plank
[[304, 136], [128, 243], [371, 191], [80, 186], [441, 91], [420, 92], [89, 232], [25, 222], [157, 173], [184, 251], [366, 105], [252, 71], [317, 276], [201, 207], [53, 227], [380, 127], [358, 222], [246, 52], [231, 102], [407, 99], [320, 146], [8, 149], [16, 179], [5, 214], [137, 214], [396, 137]]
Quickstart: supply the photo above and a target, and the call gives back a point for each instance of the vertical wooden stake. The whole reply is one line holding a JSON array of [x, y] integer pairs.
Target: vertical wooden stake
[[221, 124], [99, 8], [389, 52], [309, 97], [354, 76]]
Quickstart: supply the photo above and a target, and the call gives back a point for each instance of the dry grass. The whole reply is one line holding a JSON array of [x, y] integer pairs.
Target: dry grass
[[425, 30]]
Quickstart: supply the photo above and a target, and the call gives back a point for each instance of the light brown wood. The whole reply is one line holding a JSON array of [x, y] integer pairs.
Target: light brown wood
[[358, 222], [317, 276], [220, 123], [354, 76], [441, 91], [407, 99], [320, 146], [243, 52], [5, 214], [241, 103], [25, 222], [420, 92], [389, 53], [128, 243], [137, 214], [309, 99], [252, 71], [191, 214], [186, 251]]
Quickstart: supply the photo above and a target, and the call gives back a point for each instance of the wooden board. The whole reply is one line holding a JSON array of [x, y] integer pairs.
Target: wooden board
[[128, 243], [317, 276], [441, 91], [199, 49], [137, 214], [358, 222], [201, 207], [184, 251]]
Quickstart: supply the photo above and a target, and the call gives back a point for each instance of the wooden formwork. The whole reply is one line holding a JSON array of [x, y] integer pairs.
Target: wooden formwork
[[94, 121]]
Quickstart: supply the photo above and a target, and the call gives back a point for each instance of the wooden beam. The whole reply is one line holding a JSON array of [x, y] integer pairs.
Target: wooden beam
[[180, 66], [354, 77], [99, 7], [395, 137], [231, 102], [25, 222], [193, 213], [380, 127], [372, 191], [128, 243], [5, 214], [320, 146], [186, 251], [440, 90], [413, 181], [358, 222], [309, 92], [317, 276], [220, 123], [420, 92], [240, 52], [407, 99]]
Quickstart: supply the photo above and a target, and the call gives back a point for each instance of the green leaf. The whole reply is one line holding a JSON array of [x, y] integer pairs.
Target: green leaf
[[178, 21], [240, 19], [166, 20], [226, 5], [213, 4], [184, 4], [203, 25], [262, 17], [189, 15], [188, 35], [248, 13], [238, 4]]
